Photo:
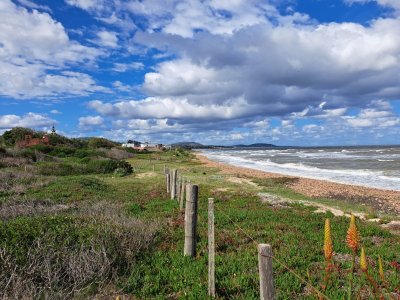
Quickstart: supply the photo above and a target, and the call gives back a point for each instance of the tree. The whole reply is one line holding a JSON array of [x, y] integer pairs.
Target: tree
[[18, 134]]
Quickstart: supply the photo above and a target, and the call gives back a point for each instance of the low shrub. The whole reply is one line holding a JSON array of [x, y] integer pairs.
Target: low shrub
[[87, 166], [92, 184], [108, 166], [60, 168], [14, 161], [62, 151], [57, 257], [18, 182], [120, 172], [86, 153]]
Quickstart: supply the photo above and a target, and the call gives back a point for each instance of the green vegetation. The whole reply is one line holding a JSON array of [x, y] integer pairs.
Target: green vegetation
[[75, 224]]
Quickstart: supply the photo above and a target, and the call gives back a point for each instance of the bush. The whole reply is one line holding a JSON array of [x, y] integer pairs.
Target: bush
[[101, 143], [120, 172], [108, 166], [83, 153], [16, 134], [17, 182], [57, 257], [88, 166]]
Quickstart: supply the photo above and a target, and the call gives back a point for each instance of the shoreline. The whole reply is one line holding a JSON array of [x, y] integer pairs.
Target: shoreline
[[387, 201]]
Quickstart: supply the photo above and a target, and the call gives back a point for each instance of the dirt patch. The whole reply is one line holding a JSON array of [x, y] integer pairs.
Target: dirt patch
[[145, 175], [242, 181], [320, 208], [393, 226], [221, 190]]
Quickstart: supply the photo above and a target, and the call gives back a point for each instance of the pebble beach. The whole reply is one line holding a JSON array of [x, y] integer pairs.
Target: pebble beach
[[387, 201]]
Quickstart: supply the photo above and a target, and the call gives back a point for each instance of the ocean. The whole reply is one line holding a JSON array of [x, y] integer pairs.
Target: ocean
[[372, 166]]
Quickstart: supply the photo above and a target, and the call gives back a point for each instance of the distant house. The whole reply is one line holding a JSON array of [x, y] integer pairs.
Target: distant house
[[30, 141], [143, 146]]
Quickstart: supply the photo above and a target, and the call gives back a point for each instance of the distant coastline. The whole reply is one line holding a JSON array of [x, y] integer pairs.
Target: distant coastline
[[375, 167], [384, 200]]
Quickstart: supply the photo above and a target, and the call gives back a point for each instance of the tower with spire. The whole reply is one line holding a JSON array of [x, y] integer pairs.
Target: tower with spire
[[53, 130]]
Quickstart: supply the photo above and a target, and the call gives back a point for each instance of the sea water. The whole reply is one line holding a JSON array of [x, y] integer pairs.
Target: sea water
[[376, 167]]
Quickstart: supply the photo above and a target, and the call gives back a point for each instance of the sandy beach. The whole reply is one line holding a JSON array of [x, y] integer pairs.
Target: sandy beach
[[382, 200]]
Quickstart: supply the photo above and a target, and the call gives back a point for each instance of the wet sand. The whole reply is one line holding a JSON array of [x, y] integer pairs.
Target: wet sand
[[382, 200]]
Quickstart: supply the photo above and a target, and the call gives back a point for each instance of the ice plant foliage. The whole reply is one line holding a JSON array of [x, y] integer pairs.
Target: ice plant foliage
[[353, 237]]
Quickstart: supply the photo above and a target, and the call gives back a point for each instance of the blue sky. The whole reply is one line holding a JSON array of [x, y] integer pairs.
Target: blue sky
[[289, 72]]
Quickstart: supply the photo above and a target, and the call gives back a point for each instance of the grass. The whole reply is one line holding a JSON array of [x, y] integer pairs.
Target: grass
[[138, 203]]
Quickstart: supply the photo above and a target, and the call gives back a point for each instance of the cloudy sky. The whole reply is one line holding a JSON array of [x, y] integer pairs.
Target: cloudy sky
[[289, 72]]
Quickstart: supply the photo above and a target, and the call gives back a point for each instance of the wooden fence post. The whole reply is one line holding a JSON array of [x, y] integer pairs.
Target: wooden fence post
[[168, 179], [211, 249], [173, 183], [267, 291], [182, 195], [165, 169], [192, 193], [178, 188]]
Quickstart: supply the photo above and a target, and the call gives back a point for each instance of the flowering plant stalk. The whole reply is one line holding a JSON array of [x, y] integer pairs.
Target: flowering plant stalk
[[328, 252], [352, 240]]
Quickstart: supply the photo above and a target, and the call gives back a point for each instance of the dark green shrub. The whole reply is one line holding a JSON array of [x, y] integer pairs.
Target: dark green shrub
[[62, 151], [92, 184], [108, 166], [85, 160], [27, 153], [3, 152], [101, 143], [120, 172], [82, 153]]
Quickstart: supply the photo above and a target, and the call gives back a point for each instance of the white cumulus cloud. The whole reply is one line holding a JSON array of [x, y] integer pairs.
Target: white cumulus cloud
[[90, 121], [32, 120]]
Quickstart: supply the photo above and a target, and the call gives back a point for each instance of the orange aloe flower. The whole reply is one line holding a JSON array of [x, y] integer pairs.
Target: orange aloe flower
[[328, 248], [352, 238]]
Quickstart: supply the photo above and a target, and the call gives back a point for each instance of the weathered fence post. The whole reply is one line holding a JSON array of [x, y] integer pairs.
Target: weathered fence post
[[178, 188], [211, 249], [173, 183], [182, 195], [165, 169], [192, 193], [171, 173], [168, 179], [267, 291]]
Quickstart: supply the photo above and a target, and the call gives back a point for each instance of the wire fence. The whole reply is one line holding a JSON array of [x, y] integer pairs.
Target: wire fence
[[304, 281], [277, 260]]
